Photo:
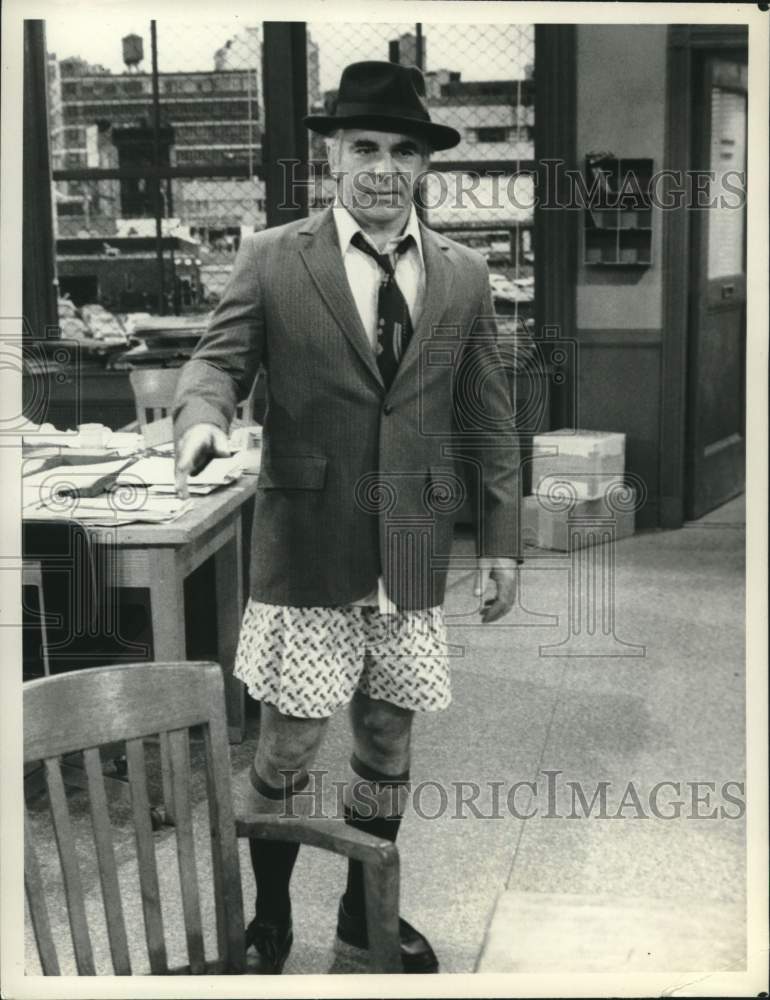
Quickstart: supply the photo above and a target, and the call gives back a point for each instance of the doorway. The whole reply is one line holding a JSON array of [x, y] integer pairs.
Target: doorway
[[715, 458]]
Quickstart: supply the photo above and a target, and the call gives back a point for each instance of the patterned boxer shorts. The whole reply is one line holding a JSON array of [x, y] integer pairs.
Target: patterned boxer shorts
[[308, 661]]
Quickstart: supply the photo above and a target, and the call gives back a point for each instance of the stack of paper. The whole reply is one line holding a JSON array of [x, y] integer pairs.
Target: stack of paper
[[117, 442], [124, 442], [111, 509], [93, 493], [157, 474], [55, 485]]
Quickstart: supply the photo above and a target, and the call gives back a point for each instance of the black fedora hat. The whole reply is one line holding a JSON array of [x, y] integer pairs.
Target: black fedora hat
[[387, 97]]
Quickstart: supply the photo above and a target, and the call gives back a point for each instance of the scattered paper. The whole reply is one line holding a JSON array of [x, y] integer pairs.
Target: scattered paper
[[124, 442], [70, 480], [110, 509], [158, 471]]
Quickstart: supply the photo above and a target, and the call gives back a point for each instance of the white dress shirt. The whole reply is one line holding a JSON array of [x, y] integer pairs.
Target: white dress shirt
[[364, 276], [364, 273]]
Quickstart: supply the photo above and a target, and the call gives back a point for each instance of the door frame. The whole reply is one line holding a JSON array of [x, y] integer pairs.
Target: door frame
[[556, 232], [684, 40], [703, 297]]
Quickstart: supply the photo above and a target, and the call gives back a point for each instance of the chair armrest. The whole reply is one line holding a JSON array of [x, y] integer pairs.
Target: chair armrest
[[328, 834], [381, 871]]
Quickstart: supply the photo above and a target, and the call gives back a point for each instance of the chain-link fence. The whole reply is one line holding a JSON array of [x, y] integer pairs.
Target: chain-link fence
[[169, 145], [157, 152], [480, 80]]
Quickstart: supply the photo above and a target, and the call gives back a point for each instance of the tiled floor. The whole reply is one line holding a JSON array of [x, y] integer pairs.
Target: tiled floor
[[675, 713]]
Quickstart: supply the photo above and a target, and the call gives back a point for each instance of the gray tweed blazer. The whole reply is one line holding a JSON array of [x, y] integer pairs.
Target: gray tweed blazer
[[356, 481]]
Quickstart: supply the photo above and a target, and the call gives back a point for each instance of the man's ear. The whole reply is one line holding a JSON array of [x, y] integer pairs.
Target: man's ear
[[333, 146]]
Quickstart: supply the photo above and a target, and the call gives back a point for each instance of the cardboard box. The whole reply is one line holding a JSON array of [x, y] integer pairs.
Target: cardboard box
[[590, 521], [587, 461]]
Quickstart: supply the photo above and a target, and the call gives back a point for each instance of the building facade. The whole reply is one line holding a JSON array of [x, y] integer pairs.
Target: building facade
[[104, 119]]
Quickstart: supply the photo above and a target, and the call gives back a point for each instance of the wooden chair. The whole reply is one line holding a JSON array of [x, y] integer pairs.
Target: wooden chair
[[154, 393], [381, 872], [32, 577], [86, 709]]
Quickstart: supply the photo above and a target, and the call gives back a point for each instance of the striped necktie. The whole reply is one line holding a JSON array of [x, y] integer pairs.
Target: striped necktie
[[394, 326]]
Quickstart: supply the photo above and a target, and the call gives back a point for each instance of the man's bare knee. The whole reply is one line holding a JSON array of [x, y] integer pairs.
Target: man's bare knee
[[286, 743], [382, 733]]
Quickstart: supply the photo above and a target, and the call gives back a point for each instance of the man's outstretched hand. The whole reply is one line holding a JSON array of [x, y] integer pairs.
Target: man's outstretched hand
[[198, 445], [501, 574]]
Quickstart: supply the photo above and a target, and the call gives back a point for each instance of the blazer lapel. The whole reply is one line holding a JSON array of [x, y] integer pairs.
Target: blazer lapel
[[321, 253]]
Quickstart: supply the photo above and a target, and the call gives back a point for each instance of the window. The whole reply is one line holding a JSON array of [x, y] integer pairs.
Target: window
[[495, 134], [75, 136]]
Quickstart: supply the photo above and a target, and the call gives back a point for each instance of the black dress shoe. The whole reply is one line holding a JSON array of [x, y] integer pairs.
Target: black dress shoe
[[273, 941], [417, 956]]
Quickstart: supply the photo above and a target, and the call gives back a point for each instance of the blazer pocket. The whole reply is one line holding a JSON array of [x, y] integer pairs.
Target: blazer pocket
[[293, 472]]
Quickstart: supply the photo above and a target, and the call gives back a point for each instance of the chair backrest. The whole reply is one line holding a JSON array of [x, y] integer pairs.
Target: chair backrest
[[128, 703], [154, 390]]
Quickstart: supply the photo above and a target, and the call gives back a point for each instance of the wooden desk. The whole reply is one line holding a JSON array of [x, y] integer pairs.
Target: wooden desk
[[159, 558]]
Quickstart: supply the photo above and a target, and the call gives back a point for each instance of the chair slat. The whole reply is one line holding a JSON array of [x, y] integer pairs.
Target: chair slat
[[38, 911], [165, 773], [128, 703], [218, 761], [145, 852], [108, 871], [73, 887], [216, 848], [188, 873]]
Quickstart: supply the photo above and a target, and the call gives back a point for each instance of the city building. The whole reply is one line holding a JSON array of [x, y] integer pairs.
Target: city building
[[404, 50], [208, 119], [100, 119]]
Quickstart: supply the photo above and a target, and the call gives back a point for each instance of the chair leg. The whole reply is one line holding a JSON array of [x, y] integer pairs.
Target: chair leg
[[43, 630], [382, 890], [32, 576]]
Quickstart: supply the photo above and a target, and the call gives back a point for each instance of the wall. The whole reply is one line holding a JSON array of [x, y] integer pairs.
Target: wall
[[621, 103]]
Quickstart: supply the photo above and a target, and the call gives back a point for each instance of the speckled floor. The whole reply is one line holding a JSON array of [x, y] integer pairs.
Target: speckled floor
[[659, 697]]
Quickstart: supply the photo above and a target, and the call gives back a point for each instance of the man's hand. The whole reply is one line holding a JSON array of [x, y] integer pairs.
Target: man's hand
[[198, 445], [502, 572]]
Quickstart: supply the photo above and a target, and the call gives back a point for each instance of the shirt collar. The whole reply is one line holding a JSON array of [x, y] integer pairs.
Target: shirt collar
[[347, 227]]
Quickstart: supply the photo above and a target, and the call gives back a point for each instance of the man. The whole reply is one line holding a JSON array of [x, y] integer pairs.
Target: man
[[363, 441]]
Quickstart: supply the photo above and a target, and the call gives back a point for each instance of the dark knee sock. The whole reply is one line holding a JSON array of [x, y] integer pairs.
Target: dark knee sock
[[273, 860], [379, 826]]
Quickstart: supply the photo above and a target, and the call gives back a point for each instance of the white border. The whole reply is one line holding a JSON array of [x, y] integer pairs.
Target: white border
[[483, 985]]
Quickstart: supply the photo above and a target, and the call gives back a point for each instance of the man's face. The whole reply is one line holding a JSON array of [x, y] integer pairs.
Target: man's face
[[376, 172]]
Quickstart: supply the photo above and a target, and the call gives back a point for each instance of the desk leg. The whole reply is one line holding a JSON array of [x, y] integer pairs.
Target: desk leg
[[168, 640], [229, 586]]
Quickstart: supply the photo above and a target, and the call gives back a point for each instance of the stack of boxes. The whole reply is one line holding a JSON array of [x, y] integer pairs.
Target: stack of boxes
[[577, 483]]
